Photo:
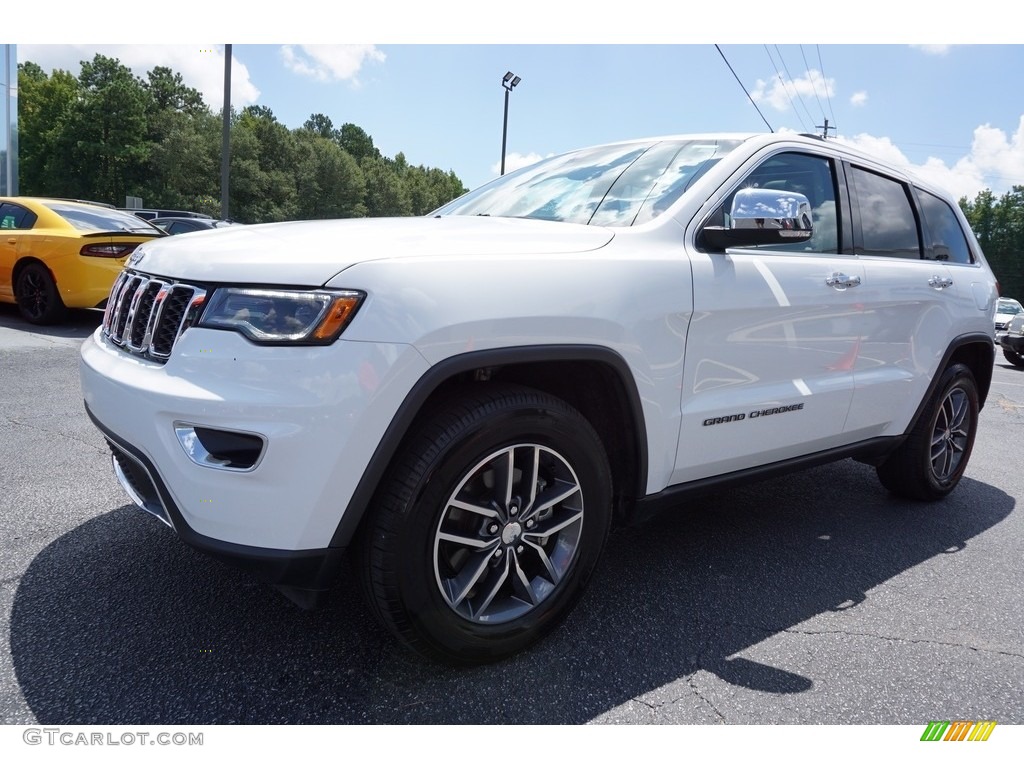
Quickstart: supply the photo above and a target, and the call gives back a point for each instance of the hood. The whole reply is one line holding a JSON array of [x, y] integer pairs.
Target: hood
[[312, 252]]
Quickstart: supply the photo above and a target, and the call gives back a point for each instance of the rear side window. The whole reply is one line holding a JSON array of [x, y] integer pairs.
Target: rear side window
[[945, 239], [888, 225], [16, 217]]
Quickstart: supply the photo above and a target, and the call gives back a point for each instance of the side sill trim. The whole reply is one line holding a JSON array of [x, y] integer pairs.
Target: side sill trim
[[869, 451]]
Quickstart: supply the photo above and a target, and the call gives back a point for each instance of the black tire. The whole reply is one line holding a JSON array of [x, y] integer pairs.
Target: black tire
[[931, 461], [37, 296], [1013, 358], [478, 582]]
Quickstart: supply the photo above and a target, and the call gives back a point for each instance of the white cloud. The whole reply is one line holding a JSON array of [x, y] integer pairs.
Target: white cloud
[[514, 161], [782, 94], [200, 66], [934, 50], [995, 161], [859, 99], [329, 62]]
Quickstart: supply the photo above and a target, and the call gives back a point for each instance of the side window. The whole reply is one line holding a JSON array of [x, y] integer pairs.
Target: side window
[[887, 221], [811, 176], [16, 217], [945, 237]]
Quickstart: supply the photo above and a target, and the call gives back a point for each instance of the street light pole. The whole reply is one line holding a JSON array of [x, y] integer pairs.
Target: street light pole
[[508, 82]]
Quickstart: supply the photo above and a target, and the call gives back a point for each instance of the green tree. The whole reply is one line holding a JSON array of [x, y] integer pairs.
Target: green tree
[[262, 168], [322, 126], [107, 133], [44, 109], [169, 93], [386, 195], [328, 181], [999, 227], [357, 142], [185, 165], [107, 151]]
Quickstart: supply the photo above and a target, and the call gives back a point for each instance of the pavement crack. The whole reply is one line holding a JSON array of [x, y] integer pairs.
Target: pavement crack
[[652, 707], [692, 683], [912, 641], [101, 449], [875, 636]]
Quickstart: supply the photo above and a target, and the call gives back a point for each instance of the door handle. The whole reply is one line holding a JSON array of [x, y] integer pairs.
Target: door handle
[[839, 281], [939, 283]]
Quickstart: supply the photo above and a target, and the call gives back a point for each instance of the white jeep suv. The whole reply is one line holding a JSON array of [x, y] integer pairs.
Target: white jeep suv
[[469, 400]]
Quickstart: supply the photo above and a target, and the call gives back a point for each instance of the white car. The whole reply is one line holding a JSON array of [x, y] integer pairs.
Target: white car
[[1006, 309], [469, 400]]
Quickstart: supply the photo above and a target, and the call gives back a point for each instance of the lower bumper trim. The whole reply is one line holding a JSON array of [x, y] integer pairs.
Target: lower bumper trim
[[294, 570]]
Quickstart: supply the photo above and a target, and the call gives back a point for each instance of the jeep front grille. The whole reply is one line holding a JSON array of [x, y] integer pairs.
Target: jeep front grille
[[146, 315]]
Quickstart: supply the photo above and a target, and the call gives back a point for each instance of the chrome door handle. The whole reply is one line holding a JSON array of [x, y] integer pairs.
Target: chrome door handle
[[940, 282], [839, 281]]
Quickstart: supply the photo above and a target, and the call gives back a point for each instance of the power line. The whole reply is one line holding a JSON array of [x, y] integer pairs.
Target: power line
[[785, 89], [814, 86], [821, 67], [785, 67], [743, 87]]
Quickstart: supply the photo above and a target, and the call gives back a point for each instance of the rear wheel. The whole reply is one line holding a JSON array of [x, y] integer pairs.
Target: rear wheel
[[1014, 358], [37, 296], [931, 461], [488, 526]]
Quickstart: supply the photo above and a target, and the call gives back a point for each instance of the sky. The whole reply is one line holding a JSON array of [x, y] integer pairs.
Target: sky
[[427, 82]]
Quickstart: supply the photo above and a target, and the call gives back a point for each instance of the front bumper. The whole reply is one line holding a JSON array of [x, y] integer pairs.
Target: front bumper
[[1012, 343], [320, 411], [301, 573]]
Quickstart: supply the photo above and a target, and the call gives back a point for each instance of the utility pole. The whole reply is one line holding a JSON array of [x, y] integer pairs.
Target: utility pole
[[825, 128], [225, 142]]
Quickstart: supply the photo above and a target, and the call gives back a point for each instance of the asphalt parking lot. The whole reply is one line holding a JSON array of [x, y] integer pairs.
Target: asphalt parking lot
[[814, 598]]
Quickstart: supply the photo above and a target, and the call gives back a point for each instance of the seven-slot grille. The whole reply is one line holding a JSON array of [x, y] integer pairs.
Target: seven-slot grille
[[146, 315]]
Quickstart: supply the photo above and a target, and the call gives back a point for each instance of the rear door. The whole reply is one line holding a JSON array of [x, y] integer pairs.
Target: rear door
[[910, 297]]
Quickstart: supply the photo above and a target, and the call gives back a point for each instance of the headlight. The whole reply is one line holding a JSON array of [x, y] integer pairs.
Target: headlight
[[272, 316]]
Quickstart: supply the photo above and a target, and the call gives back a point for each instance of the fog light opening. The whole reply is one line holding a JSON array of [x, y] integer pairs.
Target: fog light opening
[[220, 449]]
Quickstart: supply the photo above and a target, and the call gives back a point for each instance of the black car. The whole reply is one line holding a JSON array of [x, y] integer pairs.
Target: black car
[[176, 225], [1012, 341]]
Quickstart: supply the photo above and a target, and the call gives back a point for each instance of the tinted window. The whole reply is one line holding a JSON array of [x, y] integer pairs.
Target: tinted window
[[887, 220], [16, 217], [945, 237], [812, 177]]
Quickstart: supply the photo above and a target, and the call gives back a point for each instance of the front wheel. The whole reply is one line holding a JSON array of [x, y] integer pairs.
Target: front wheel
[[1013, 358], [931, 461], [488, 525]]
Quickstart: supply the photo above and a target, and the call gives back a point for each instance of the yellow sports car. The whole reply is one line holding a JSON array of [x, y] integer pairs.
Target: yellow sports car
[[56, 254]]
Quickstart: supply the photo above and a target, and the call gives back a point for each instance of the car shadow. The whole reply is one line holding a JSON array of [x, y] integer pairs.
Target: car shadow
[[118, 622], [79, 323]]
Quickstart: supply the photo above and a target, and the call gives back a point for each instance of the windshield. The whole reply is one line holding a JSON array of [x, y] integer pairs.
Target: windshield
[[94, 219], [1008, 307], [618, 185]]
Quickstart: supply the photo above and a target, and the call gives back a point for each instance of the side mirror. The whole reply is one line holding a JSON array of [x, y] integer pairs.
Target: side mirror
[[763, 217]]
